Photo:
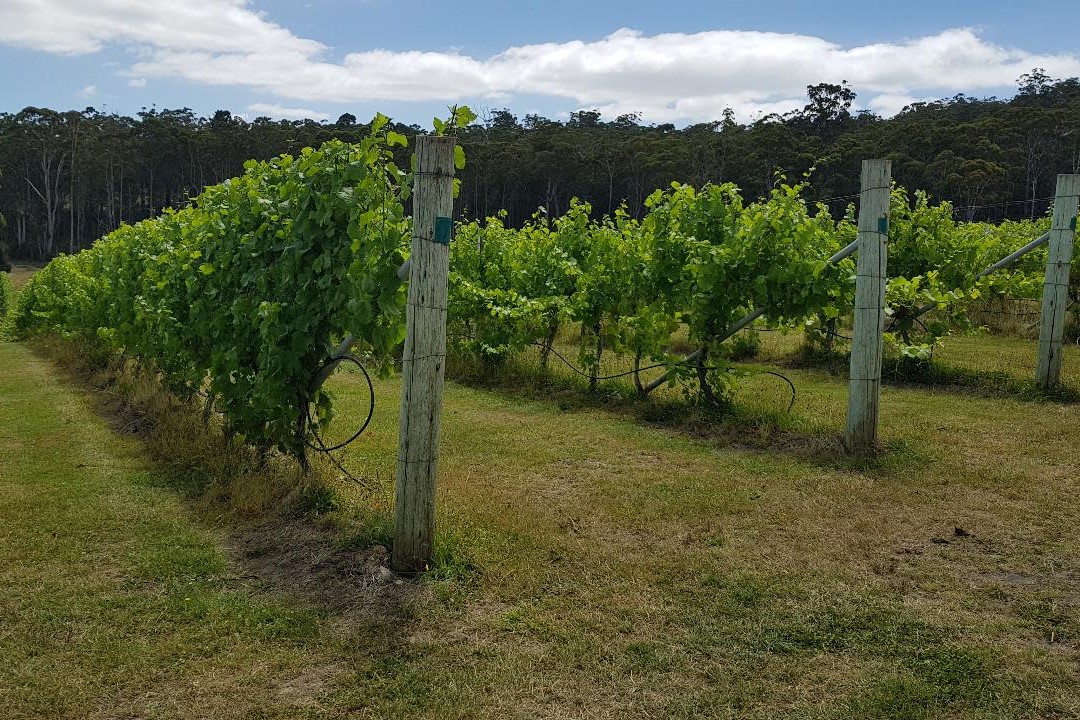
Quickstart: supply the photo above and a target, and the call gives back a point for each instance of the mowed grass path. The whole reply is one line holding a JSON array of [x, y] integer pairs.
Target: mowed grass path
[[593, 567], [115, 602]]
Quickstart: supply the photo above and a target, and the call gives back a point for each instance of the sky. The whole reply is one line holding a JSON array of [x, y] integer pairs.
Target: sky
[[682, 62]]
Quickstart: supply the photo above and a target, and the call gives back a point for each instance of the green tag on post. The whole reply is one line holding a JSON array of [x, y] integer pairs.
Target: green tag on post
[[443, 229], [883, 225]]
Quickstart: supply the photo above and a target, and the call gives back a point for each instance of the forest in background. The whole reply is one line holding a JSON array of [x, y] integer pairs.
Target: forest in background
[[67, 178]]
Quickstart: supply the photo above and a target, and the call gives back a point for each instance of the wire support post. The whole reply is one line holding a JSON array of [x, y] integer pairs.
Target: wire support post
[[864, 390], [424, 358], [1055, 298]]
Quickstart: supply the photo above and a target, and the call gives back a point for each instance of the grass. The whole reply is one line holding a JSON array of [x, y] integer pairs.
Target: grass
[[672, 574], [117, 602], [22, 272], [976, 363], [596, 561]]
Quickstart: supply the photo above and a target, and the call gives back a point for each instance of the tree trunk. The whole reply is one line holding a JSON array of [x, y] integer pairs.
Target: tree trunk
[[553, 330], [637, 373], [594, 374], [703, 378]]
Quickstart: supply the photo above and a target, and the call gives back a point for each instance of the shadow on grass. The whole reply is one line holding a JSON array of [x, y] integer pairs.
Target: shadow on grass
[[911, 372], [986, 383], [283, 533], [728, 425], [830, 361]]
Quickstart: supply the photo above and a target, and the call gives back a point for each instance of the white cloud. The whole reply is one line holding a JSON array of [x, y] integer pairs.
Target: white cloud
[[667, 77], [137, 82], [888, 104], [87, 92], [76, 27], [286, 113]]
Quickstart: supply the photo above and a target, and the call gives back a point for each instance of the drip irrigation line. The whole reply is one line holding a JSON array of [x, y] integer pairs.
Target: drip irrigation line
[[322, 447], [786, 379], [341, 468], [895, 320], [998, 313], [319, 445], [587, 376], [309, 423], [833, 333], [370, 407], [583, 374]]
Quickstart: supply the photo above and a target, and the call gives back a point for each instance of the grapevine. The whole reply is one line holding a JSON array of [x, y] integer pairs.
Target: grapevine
[[247, 290]]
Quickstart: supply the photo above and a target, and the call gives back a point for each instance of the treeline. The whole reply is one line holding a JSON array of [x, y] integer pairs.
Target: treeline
[[67, 178]]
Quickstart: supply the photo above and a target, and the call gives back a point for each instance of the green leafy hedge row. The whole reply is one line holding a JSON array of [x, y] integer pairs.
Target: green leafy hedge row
[[701, 257], [245, 292], [7, 299], [705, 258]]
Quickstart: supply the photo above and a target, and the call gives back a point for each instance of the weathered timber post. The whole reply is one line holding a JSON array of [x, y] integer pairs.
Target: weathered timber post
[[864, 389], [1056, 286], [423, 362]]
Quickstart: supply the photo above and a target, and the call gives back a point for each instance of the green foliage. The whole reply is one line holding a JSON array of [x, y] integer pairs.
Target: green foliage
[[7, 295], [507, 286], [771, 254], [7, 306], [909, 330], [700, 257], [243, 294], [923, 238], [246, 291], [935, 265], [705, 258]]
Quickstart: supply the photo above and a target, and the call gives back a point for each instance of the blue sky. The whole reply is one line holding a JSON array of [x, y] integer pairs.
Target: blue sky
[[675, 62]]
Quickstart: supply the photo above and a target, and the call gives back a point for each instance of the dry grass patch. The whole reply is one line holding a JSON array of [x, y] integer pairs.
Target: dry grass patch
[[599, 558], [663, 573]]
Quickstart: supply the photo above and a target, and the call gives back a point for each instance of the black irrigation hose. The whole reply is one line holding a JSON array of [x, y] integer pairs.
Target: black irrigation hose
[[833, 333], [1006, 313], [895, 320], [308, 423], [786, 379], [321, 446], [585, 375]]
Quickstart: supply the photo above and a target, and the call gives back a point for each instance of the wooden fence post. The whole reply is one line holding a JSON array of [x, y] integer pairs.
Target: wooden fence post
[[423, 362], [864, 389], [1056, 286]]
